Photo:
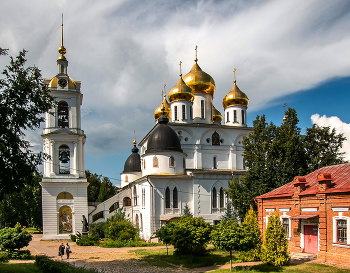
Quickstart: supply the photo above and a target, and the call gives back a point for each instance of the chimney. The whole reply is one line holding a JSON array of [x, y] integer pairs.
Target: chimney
[[324, 181], [299, 183]]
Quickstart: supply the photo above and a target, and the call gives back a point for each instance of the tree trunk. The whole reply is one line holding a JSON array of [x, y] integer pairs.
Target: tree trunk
[[230, 260]]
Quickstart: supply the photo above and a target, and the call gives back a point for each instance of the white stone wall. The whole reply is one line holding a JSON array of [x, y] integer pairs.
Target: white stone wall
[[163, 163]]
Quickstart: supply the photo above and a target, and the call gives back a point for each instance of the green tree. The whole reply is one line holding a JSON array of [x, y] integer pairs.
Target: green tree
[[275, 245], [274, 155], [120, 230], [165, 233], [322, 145], [230, 213], [23, 206], [24, 98], [251, 221], [14, 238], [93, 189], [187, 211], [107, 190]]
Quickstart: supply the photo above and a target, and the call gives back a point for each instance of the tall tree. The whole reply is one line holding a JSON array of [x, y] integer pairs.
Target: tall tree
[[24, 98], [93, 189], [276, 154], [107, 190]]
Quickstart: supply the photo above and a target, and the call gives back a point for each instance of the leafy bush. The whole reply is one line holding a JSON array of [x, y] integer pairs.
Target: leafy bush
[[275, 246], [4, 257], [97, 229], [73, 237], [127, 243], [49, 266], [19, 255], [91, 240], [120, 230], [14, 238]]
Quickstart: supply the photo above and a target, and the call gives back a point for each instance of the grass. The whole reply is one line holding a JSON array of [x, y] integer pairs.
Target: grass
[[305, 268], [158, 257], [20, 268]]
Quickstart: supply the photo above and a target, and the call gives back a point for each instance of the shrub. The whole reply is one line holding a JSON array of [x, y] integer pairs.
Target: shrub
[[4, 257], [97, 229], [275, 246], [73, 237], [14, 238], [91, 240], [19, 255], [127, 243], [120, 230]]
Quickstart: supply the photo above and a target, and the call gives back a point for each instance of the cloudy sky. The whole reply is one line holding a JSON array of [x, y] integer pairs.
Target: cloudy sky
[[291, 51]]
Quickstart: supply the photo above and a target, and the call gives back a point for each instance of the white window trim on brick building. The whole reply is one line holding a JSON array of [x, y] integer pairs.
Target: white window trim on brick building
[[335, 230]]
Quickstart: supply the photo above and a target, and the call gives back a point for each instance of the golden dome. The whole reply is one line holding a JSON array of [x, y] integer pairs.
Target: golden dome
[[199, 81], [53, 83], [235, 97], [166, 108], [217, 117], [181, 92]]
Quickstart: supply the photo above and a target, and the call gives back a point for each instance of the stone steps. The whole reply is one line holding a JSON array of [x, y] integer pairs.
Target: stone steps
[[302, 257]]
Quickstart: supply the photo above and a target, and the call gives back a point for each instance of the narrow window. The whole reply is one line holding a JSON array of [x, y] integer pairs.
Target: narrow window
[[155, 162], [214, 198], [141, 222], [214, 162], [143, 198], [175, 110], [171, 162], [202, 108], [62, 119], [184, 163], [167, 198], [234, 115], [64, 158], [285, 224], [243, 117], [137, 221], [221, 198], [126, 202], [191, 111], [135, 196], [228, 116], [144, 164], [183, 111], [175, 202], [342, 230], [126, 178], [215, 138]]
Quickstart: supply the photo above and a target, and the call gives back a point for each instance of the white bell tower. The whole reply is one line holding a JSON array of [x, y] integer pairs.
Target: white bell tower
[[64, 186]]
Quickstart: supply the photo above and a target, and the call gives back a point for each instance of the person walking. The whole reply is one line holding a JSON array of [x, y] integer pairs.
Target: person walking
[[68, 250], [61, 250]]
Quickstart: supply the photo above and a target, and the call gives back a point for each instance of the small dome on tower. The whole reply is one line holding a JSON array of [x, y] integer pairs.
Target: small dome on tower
[[54, 83], [199, 81], [158, 112], [217, 117], [181, 92], [235, 97], [163, 138], [133, 163]]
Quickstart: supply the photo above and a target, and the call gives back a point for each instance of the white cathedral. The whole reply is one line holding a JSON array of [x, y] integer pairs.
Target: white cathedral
[[187, 158]]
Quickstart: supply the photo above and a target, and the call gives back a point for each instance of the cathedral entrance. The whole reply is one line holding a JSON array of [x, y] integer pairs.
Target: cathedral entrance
[[65, 220]]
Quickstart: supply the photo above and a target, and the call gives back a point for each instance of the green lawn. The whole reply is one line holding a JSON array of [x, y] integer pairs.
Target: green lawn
[[19, 268]]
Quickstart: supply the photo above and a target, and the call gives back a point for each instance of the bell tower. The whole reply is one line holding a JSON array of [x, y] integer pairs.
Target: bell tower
[[64, 186]]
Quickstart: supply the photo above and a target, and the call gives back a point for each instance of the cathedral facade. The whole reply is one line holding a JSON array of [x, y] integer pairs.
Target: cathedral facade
[[186, 159]]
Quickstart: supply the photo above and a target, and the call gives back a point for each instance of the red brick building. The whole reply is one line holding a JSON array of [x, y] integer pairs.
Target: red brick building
[[314, 210]]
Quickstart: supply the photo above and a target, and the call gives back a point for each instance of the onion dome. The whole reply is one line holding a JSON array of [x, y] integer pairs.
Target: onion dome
[[133, 163], [181, 92], [163, 138], [217, 117], [199, 81], [54, 83], [235, 97], [159, 111]]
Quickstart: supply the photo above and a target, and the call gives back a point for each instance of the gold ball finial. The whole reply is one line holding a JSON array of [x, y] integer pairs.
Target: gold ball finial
[[284, 118], [134, 142], [62, 49]]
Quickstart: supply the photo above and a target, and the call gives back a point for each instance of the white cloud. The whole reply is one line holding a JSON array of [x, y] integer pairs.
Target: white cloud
[[124, 51], [341, 127]]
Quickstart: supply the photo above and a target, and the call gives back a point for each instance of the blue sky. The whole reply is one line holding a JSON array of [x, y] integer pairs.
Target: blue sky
[[123, 52]]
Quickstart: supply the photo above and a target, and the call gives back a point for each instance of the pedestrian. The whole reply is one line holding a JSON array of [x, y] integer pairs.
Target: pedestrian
[[68, 250], [61, 250]]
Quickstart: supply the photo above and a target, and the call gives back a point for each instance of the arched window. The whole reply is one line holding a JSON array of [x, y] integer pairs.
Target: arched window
[[64, 195], [64, 158], [214, 198], [183, 111], [144, 164], [143, 198], [126, 202], [234, 116], [215, 164], [135, 196], [167, 198], [171, 162], [202, 108], [191, 111], [126, 179], [243, 117], [215, 138], [222, 198], [114, 207], [155, 162], [175, 200], [228, 116], [175, 112], [137, 221], [141, 222], [62, 113]]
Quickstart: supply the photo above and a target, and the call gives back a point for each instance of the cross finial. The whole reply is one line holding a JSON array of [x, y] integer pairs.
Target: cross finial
[[134, 142], [180, 69], [164, 95], [61, 49], [284, 106], [196, 59], [62, 31], [234, 74]]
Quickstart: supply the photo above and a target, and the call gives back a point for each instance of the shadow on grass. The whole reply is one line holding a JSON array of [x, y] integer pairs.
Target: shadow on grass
[[159, 258], [258, 268]]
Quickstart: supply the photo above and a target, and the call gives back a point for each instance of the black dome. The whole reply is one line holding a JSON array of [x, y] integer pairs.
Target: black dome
[[133, 163], [163, 138]]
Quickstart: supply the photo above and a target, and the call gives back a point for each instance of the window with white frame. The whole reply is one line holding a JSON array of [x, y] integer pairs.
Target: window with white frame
[[285, 225], [342, 231], [183, 111], [214, 198], [167, 198]]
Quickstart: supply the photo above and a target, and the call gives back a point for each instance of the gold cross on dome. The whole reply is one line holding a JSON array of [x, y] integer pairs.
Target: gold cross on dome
[[180, 68], [196, 54], [162, 94], [234, 74], [284, 106]]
